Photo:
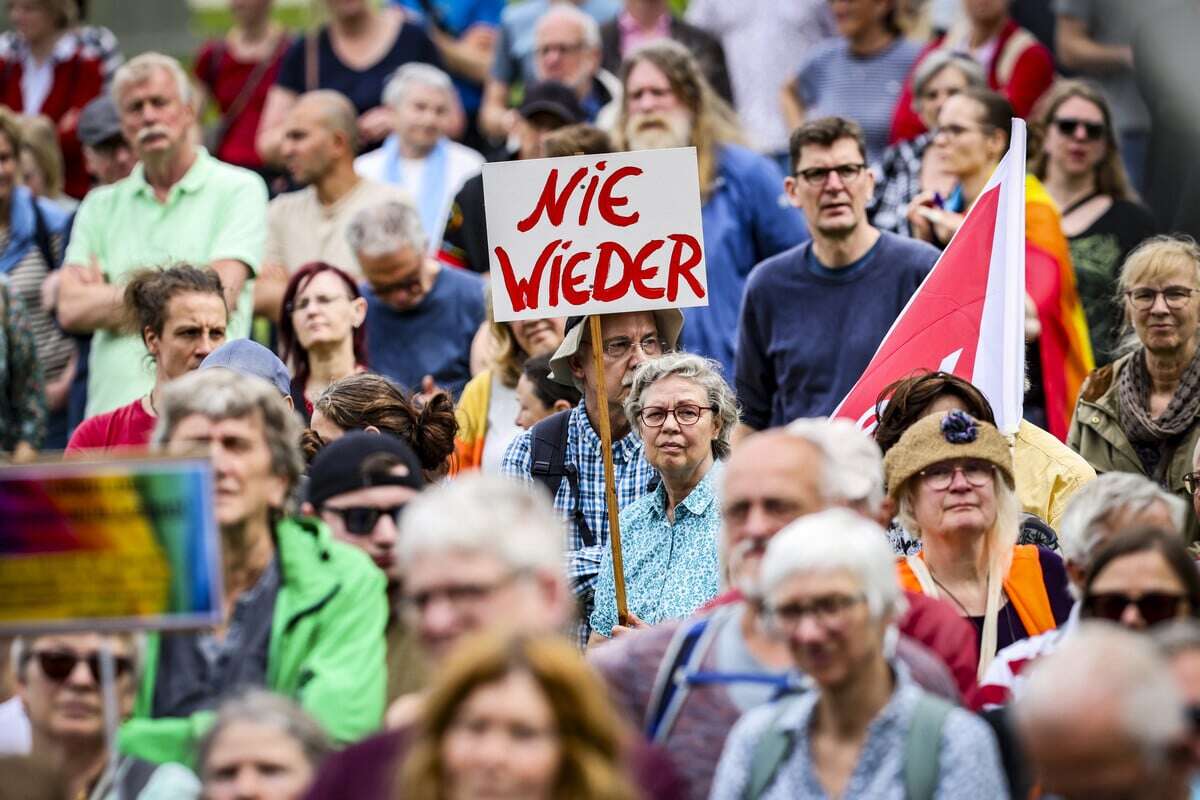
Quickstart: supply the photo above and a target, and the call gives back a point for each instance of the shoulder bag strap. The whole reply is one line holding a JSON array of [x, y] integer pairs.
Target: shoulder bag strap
[[248, 89], [922, 747], [771, 750]]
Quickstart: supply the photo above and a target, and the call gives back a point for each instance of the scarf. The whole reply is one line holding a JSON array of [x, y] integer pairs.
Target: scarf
[[431, 194], [22, 229], [1155, 439]]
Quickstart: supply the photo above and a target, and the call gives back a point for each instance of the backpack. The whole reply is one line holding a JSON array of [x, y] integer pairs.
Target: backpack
[[547, 465], [921, 750]]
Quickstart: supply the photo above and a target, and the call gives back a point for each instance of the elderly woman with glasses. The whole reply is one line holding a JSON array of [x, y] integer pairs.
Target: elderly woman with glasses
[[1139, 413], [951, 477], [866, 730], [685, 413]]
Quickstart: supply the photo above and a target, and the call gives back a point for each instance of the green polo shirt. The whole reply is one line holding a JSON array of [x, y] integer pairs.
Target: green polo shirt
[[215, 212]]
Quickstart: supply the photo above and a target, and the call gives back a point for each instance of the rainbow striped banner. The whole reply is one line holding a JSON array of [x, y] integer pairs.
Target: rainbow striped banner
[[109, 545]]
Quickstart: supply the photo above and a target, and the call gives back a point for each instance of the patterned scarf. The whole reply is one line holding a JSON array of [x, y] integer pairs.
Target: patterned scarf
[[1155, 439]]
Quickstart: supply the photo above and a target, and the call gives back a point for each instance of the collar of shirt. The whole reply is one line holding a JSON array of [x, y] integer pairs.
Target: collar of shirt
[[192, 180], [698, 500], [631, 27], [64, 49], [625, 450]]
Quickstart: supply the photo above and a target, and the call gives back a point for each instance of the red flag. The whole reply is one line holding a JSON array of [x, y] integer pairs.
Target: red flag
[[967, 317]]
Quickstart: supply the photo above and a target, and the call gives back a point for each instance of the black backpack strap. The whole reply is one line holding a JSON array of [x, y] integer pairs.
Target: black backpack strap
[[547, 466], [41, 238]]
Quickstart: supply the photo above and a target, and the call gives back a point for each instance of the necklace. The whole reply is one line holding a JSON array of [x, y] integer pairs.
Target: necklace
[[950, 594], [153, 408]]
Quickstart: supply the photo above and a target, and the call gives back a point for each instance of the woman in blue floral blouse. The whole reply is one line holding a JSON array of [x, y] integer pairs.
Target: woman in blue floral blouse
[[685, 413]]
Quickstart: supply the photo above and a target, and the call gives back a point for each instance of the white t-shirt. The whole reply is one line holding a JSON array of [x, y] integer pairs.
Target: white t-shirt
[[15, 736], [501, 425]]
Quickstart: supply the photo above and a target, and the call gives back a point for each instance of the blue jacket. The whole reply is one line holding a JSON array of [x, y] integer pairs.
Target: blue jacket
[[747, 219]]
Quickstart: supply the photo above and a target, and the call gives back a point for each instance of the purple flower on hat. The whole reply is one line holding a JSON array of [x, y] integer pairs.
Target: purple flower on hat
[[959, 428]]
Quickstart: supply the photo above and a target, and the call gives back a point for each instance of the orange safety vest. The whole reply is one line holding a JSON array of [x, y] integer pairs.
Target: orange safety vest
[[1024, 585]]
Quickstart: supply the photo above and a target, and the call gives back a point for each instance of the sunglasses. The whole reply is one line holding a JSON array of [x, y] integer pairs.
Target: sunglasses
[[361, 520], [1092, 131], [58, 666], [1154, 607]]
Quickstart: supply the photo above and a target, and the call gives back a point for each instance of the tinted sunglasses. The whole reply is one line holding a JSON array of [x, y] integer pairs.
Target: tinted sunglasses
[[58, 665], [361, 520], [1154, 607], [1092, 131]]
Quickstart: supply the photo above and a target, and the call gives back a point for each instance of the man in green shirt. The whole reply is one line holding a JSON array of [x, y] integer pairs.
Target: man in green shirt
[[179, 204]]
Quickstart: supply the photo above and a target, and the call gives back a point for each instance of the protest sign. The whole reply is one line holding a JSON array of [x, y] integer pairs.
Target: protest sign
[[595, 234], [113, 545]]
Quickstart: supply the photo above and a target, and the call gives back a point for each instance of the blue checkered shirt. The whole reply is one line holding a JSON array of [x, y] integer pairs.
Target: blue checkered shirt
[[634, 477]]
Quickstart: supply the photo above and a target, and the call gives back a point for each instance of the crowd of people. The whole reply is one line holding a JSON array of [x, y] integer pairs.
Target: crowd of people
[[275, 253]]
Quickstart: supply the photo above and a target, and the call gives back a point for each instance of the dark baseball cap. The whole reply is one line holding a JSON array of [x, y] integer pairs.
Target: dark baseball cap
[[551, 97], [99, 122], [337, 469]]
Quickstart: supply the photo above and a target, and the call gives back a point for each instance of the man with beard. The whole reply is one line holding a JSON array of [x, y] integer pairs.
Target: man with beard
[[178, 204], [813, 316], [668, 103]]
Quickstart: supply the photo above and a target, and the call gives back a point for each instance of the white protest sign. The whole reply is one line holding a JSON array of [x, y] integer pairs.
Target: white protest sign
[[595, 234]]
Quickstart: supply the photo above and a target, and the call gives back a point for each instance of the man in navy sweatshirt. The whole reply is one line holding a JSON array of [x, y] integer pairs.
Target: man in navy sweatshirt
[[813, 316]]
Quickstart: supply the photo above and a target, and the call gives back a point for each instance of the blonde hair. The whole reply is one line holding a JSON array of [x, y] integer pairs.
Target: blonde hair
[[507, 357], [589, 732], [41, 141], [715, 123], [1110, 175], [1151, 259]]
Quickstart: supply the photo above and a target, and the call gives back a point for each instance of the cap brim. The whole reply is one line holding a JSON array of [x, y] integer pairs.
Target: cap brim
[[547, 107], [669, 322]]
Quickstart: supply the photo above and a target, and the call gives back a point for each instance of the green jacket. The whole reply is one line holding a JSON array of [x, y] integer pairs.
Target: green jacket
[[327, 648], [1096, 435]]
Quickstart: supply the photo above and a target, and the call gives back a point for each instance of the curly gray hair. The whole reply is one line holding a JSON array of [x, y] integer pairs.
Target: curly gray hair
[[705, 373]]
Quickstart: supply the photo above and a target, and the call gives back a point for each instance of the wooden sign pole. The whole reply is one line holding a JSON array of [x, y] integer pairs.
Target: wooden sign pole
[[610, 489]]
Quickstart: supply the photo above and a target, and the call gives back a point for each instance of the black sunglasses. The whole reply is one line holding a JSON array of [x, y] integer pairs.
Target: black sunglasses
[[1092, 131], [361, 520], [1154, 607], [58, 665]]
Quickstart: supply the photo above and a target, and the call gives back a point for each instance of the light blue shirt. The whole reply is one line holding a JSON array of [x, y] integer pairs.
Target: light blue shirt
[[968, 762], [671, 568]]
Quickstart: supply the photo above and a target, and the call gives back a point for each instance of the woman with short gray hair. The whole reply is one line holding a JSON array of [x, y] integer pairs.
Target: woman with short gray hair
[[685, 413], [261, 745]]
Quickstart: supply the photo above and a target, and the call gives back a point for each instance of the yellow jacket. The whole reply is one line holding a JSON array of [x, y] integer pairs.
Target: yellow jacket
[[1047, 472]]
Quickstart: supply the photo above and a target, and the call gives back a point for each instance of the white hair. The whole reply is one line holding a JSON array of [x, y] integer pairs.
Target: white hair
[[385, 228], [139, 69], [836, 539], [1120, 666], [1083, 523], [489, 514], [414, 74], [588, 28], [853, 471]]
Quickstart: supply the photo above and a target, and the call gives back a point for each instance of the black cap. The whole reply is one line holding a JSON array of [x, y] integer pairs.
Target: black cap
[[98, 122], [337, 469], [551, 97]]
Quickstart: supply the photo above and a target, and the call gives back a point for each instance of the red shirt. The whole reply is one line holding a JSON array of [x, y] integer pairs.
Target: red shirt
[[224, 80], [127, 426]]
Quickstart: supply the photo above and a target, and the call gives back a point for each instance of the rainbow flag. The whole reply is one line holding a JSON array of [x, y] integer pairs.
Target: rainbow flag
[[1064, 345]]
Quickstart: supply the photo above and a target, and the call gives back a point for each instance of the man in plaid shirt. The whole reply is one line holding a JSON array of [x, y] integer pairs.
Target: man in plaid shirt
[[629, 340]]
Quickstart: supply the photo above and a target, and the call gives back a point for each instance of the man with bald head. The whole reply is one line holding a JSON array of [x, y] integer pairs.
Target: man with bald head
[[320, 139], [686, 681]]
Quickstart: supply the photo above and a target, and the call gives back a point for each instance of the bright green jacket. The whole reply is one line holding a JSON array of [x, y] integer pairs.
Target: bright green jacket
[[327, 648]]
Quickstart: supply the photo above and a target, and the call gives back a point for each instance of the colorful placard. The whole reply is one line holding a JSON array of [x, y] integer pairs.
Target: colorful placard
[[109, 545], [595, 234]]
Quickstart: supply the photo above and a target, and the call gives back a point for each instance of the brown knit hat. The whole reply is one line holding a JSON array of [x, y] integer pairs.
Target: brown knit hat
[[945, 437]]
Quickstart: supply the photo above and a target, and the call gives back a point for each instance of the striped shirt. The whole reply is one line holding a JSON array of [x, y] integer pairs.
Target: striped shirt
[[634, 477], [25, 279], [835, 82]]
